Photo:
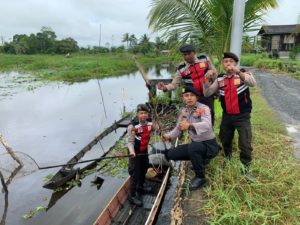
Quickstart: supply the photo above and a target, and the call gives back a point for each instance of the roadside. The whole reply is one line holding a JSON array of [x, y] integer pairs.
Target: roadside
[[262, 62], [283, 95]]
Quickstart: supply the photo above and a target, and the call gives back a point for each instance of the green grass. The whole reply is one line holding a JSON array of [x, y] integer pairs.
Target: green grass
[[274, 198], [77, 68], [261, 61]]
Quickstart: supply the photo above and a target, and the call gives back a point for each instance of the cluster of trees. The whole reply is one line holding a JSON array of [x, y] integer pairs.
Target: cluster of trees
[[44, 42], [144, 45]]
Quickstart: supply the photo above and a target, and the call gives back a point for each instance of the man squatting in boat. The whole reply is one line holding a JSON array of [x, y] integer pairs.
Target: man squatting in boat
[[139, 132], [194, 118]]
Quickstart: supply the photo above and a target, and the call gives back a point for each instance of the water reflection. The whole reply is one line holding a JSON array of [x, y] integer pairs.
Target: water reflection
[[52, 123], [4, 215], [5, 185]]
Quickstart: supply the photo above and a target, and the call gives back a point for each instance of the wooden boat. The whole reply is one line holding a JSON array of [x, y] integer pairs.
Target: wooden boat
[[67, 173], [119, 211]]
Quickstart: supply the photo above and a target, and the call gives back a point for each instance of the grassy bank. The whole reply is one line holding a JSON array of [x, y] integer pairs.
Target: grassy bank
[[274, 197], [261, 61], [78, 67]]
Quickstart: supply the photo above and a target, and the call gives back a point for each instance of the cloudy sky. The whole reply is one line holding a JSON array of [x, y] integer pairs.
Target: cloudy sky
[[81, 19]]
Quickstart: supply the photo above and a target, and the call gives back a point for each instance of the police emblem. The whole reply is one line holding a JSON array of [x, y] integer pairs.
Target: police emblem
[[237, 81], [202, 65]]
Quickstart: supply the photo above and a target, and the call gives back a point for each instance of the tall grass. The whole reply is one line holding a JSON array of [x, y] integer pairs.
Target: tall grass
[[274, 197], [78, 67]]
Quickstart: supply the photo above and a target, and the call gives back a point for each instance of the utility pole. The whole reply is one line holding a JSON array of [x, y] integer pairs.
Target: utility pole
[[100, 36], [238, 14]]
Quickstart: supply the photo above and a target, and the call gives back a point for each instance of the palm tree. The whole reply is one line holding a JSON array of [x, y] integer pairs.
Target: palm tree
[[132, 40], [145, 45], [205, 22], [126, 38]]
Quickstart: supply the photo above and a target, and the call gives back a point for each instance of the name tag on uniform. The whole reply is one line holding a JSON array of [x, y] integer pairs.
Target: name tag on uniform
[[237, 81], [202, 65]]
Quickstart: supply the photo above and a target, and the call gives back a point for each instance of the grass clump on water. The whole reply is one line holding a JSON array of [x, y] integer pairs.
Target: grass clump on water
[[274, 197]]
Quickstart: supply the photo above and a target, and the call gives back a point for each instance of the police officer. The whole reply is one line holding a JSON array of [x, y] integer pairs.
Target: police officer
[[195, 118], [139, 132], [233, 89], [192, 73]]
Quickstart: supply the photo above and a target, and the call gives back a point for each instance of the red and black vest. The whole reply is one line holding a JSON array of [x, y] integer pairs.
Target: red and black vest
[[142, 135], [234, 94], [194, 74]]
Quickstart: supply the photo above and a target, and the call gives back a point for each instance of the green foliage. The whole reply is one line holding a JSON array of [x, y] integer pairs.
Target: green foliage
[[251, 59], [294, 52], [78, 68], [274, 196], [42, 42], [33, 212], [261, 61], [207, 23], [48, 177]]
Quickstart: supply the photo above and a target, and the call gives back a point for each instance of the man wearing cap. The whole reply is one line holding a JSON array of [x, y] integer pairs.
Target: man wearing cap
[[195, 118], [192, 73], [139, 132], [233, 89]]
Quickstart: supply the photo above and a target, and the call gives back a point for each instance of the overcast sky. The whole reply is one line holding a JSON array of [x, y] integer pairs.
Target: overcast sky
[[81, 19]]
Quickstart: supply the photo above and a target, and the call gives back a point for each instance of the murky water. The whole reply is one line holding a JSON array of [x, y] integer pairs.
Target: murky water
[[51, 123]]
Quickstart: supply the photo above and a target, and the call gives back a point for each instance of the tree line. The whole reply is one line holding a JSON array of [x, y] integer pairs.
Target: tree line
[[45, 42]]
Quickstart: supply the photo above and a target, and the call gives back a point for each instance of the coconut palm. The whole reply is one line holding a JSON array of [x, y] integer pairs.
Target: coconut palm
[[126, 38], [207, 23], [132, 40]]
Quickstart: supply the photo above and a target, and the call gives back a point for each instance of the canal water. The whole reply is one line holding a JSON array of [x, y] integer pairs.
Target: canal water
[[51, 122]]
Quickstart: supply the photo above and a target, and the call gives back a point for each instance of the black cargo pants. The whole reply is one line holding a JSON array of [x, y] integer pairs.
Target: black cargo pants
[[242, 124], [137, 169], [200, 154]]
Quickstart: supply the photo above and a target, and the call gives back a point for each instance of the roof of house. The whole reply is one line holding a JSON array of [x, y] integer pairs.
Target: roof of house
[[279, 29]]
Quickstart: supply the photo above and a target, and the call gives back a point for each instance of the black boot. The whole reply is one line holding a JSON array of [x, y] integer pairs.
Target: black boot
[[198, 182], [134, 200]]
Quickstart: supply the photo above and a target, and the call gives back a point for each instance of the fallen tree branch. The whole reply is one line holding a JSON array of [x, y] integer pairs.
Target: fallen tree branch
[[3, 182], [10, 151]]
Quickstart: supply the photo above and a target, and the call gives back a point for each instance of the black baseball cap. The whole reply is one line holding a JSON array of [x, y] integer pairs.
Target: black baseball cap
[[230, 55], [187, 48], [191, 89], [142, 107]]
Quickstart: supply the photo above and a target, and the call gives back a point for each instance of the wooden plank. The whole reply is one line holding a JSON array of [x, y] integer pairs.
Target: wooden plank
[[113, 207], [158, 199]]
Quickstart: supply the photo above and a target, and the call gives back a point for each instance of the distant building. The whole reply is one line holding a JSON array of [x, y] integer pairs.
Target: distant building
[[279, 39]]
